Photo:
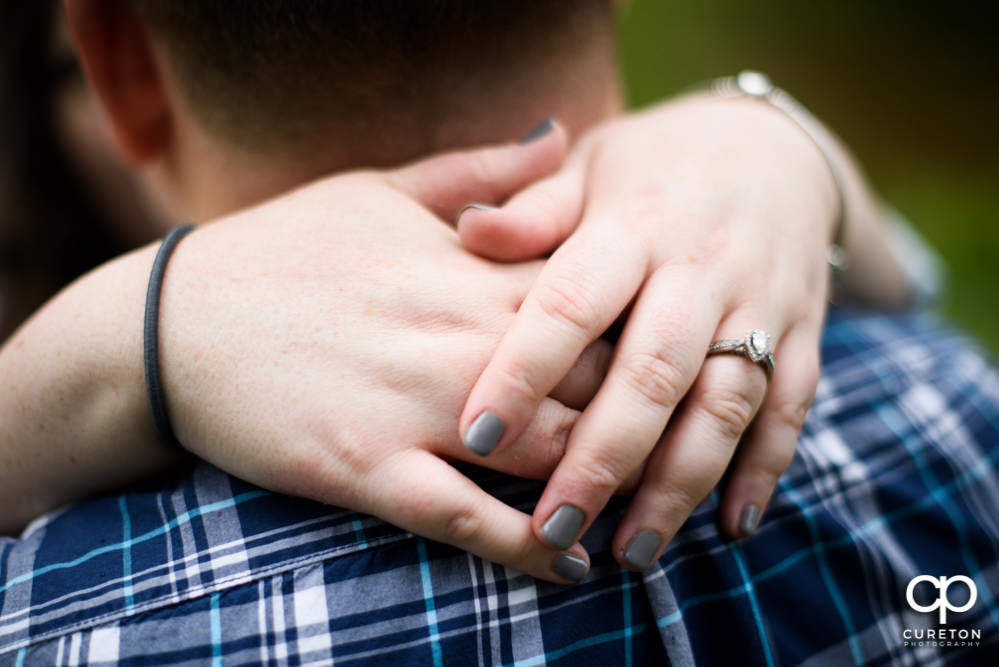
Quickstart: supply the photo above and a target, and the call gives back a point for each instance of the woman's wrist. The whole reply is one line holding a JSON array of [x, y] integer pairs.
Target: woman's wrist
[[757, 86], [758, 151], [872, 274], [74, 413]]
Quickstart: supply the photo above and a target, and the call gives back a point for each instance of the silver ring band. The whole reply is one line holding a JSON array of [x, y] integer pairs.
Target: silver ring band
[[755, 346]]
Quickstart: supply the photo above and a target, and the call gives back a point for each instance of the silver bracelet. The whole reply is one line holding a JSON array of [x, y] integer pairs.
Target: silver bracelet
[[757, 85]]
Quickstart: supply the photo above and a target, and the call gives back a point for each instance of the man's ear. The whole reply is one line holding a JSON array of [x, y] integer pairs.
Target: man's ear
[[117, 57]]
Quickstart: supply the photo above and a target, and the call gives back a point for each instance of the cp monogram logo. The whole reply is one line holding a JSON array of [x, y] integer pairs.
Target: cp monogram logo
[[942, 601]]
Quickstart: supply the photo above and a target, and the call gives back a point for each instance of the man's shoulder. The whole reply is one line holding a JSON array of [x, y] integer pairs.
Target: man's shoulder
[[214, 566], [209, 563]]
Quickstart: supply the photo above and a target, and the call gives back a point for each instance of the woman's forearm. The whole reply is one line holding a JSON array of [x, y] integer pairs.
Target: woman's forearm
[[74, 420]]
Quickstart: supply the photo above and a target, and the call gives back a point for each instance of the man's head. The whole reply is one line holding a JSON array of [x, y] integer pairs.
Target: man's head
[[262, 95]]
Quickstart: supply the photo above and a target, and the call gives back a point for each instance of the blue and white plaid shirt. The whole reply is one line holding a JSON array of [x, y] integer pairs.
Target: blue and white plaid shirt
[[895, 476]]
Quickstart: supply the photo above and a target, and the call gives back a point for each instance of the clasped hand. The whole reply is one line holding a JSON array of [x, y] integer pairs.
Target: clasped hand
[[324, 344], [698, 220]]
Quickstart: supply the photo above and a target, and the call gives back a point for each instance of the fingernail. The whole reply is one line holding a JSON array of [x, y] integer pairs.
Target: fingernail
[[561, 528], [541, 130], [749, 520], [482, 436], [571, 567], [481, 207], [642, 549]]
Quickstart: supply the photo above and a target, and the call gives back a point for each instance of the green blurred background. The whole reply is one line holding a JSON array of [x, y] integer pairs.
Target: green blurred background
[[910, 87]]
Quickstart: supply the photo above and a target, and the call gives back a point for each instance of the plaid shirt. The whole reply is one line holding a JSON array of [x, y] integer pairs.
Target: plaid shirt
[[895, 476]]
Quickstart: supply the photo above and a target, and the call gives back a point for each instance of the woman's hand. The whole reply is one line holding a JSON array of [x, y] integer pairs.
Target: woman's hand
[[321, 344], [697, 220]]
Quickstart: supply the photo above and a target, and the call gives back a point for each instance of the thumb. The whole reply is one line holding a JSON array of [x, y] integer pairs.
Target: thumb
[[488, 175], [533, 223]]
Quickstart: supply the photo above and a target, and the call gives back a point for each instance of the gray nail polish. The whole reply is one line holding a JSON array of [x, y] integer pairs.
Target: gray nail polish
[[749, 519], [482, 436], [642, 549], [571, 567], [541, 130], [561, 528], [481, 207]]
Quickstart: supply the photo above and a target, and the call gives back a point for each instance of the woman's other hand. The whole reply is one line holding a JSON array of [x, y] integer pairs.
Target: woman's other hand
[[695, 221]]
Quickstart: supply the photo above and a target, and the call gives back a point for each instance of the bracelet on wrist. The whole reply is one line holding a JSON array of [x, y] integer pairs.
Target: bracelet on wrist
[[150, 336]]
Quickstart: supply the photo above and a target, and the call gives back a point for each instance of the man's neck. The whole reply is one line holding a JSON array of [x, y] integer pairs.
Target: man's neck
[[204, 177]]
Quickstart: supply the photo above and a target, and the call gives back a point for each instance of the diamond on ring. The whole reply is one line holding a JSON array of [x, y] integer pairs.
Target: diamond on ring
[[758, 345], [755, 346]]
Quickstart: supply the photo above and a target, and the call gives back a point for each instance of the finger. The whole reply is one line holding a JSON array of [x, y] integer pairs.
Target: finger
[[583, 380], [580, 291], [658, 356], [421, 493], [447, 182], [532, 223], [768, 447], [696, 449], [536, 451]]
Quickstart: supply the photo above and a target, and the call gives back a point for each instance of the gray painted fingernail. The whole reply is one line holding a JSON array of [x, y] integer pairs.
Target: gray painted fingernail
[[642, 549], [749, 520], [561, 528], [571, 567], [481, 207], [541, 130], [482, 436]]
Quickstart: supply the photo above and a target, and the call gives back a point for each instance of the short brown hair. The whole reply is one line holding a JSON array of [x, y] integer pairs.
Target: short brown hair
[[248, 67]]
